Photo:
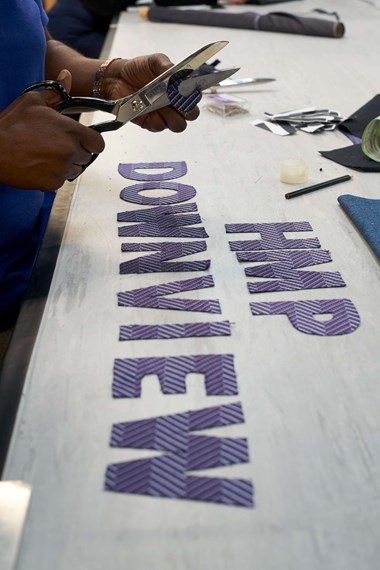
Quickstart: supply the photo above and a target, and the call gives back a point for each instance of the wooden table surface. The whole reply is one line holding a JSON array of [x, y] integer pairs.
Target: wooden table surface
[[311, 403]]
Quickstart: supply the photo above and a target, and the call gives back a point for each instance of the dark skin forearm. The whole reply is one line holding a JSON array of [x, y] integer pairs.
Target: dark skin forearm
[[82, 69], [41, 148]]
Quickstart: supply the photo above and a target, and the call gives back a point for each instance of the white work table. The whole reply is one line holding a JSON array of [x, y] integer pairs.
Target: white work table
[[311, 403]]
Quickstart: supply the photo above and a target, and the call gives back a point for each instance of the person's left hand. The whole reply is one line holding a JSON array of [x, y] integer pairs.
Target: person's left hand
[[125, 77]]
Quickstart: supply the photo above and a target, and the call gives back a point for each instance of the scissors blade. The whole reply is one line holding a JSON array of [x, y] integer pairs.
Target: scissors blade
[[245, 81], [203, 82], [239, 82], [154, 94]]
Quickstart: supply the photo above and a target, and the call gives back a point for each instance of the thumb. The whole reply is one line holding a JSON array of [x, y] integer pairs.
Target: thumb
[[65, 78]]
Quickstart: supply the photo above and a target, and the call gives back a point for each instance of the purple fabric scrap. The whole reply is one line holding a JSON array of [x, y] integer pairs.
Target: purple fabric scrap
[[159, 262], [272, 236], [179, 330], [151, 297], [164, 476], [129, 170], [183, 192], [182, 103], [218, 370], [345, 318]]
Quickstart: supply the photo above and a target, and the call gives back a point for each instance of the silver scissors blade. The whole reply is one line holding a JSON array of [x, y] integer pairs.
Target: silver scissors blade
[[240, 82], [203, 82], [154, 95]]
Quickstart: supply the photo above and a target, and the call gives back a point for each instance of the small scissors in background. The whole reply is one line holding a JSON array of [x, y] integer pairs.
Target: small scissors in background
[[180, 86]]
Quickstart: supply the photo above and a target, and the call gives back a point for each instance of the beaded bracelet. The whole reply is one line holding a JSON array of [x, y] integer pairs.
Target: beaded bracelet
[[97, 89]]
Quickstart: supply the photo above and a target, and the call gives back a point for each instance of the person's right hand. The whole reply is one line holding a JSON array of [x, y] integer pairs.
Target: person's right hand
[[39, 147]]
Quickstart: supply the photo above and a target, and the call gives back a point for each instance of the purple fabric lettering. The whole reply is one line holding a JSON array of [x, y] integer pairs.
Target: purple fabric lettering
[[291, 280], [165, 476], [129, 170], [158, 262], [152, 297], [180, 330], [293, 258], [284, 271], [161, 222], [345, 318], [183, 192], [272, 236], [218, 370], [153, 214]]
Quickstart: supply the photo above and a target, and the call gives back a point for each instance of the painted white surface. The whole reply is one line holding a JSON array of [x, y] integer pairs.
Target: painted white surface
[[311, 404], [14, 502]]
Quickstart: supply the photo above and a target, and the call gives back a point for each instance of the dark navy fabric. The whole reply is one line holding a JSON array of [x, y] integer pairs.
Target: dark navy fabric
[[23, 213], [365, 215]]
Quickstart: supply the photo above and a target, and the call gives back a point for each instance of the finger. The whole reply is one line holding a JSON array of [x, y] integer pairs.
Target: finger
[[91, 140], [192, 115], [82, 157], [154, 122], [75, 171], [66, 79], [159, 62]]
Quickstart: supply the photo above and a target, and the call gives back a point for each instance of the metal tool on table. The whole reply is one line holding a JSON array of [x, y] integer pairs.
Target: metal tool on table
[[238, 82], [180, 86]]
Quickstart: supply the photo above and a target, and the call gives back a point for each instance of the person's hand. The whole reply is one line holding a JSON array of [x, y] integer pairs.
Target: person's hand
[[39, 147], [125, 77]]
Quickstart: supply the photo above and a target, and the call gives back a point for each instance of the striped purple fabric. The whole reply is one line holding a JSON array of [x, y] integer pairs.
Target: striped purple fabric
[[272, 236], [218, 370], [154, 296], [156, 213], [158, 262], [182, 103], [179, 330], [130, 170], [182, 193], [171, 432], [167, 226], [162, 221], [291, 280], [293, 258], [344, 316], [165, 476]]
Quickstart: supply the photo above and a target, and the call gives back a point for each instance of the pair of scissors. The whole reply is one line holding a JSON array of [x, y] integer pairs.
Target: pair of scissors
[[180, 86]]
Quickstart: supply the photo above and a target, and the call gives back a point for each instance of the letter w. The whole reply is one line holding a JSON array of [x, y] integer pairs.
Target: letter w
[[165, 475], [158, 262], [162, 221]]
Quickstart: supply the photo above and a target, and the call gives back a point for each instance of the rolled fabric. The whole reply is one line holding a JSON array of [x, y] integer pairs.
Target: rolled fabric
[[272, 22]]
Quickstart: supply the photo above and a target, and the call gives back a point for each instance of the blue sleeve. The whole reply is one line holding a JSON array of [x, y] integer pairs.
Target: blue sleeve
[[44, 17]]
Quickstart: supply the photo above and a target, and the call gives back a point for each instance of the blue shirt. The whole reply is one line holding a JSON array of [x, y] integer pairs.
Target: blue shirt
[[23, 213]]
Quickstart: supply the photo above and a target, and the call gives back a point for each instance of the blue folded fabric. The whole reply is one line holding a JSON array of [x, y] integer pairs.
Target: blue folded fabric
[[365, 215]]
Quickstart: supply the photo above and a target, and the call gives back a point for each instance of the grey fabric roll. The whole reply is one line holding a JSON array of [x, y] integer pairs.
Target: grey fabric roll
[[272, 22]]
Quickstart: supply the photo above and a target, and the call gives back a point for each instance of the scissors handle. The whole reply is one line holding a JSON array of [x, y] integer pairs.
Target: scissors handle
[[78, 105], [74, 104]]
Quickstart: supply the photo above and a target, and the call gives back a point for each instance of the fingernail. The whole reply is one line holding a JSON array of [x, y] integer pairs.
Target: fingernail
[[62, 75]]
